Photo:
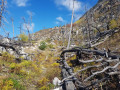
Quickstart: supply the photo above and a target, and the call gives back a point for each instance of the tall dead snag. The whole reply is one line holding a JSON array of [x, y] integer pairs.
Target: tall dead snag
[[12, 25], [30, 22], [88, 27], [20, 27], [71, 27], [3, 4], [27, 25], [1, 11]]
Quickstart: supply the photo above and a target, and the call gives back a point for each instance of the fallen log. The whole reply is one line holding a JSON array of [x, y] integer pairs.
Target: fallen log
[[9, 46], [105, 64], [17, 52]]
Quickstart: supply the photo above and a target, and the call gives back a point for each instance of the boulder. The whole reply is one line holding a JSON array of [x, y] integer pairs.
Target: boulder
[[56, 81], [5, 40]]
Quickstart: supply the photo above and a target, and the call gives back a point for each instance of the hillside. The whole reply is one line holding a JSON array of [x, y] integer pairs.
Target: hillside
[[95, 49], [105, 15]]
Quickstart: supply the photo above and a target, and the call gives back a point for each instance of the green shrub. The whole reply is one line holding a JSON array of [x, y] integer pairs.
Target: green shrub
[[43, 45], [7, 57], [23, 37], [13, 65], [113, 24], [11, 84]]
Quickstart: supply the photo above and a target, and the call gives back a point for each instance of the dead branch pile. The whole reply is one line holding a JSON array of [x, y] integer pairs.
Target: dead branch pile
[[97, 70]]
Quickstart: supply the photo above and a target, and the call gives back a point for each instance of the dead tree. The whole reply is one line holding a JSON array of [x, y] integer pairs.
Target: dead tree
[[105, 70], [12, 25], [1, 11], [69, 40], [15, 46], [20, 27], [27, 27], [88, 31], [30, 22]]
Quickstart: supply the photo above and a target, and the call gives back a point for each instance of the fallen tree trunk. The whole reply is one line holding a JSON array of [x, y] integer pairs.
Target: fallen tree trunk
[[17, 52], [9, 46], [104, 67]]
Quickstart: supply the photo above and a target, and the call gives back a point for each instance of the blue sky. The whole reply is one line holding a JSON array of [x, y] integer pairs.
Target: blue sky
[[45, 13]]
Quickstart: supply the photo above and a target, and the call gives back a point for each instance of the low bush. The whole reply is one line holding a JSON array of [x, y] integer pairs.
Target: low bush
[[43, 81], [43, 45], [23, 37], [113, 24], [50, 46], [7, 57], [11, 84]]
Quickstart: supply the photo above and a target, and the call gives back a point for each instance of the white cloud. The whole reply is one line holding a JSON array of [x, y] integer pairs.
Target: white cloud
[[20, 3], [28, 26], [60, 19], [69, 4], [57, 22], [30, 13]]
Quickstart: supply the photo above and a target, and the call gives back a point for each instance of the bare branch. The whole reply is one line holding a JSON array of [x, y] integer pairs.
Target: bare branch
[[99, 72]]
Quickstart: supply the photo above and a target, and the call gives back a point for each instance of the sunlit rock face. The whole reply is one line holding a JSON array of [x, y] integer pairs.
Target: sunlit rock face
[[2, 49], [5, 40]]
